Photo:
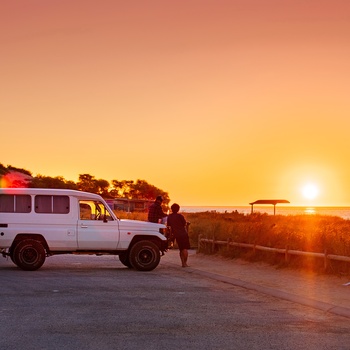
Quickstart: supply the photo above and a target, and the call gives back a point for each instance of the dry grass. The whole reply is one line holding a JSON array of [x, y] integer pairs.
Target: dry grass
[[311, 233], [132, 216]]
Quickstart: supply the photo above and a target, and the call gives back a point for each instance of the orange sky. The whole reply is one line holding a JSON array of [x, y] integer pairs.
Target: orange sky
[[218, 102]]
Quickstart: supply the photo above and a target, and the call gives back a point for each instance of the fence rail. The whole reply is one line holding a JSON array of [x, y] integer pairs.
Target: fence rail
[[286, 251]]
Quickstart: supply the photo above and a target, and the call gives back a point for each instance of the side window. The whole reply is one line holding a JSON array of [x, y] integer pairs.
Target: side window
[[7, 203], [85, 211], [52, 204], [43, 204], [15, 203], [93, 210], [23, 204], [60, 204]]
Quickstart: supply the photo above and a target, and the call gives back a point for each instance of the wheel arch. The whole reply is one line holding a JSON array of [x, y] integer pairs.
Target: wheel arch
[[22, 236], [151, 238]]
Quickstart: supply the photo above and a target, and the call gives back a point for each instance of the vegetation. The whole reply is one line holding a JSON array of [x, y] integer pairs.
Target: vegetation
[[5, 170], [310, 233], [129, 189]]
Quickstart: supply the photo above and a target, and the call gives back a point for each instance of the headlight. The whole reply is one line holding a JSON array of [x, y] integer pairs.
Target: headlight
[[163, 231]]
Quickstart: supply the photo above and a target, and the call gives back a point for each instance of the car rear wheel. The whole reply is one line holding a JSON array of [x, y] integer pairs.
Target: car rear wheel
[[144, 256], [12, 257], [29, 255], [11, 253]]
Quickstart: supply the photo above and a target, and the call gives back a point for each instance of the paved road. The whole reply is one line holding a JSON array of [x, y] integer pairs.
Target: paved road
[[88, 302]]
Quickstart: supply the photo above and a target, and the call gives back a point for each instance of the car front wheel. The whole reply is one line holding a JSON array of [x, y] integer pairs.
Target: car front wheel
[[144, 256], [124, 259]]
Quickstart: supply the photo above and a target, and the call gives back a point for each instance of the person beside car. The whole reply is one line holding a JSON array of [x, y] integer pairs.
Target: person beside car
[[178, 226], [155, 211]]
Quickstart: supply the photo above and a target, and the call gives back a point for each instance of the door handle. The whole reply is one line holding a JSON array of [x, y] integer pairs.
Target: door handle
[[84, 226]]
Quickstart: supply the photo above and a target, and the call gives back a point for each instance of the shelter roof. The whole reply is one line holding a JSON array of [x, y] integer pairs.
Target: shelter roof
[[270, 201]]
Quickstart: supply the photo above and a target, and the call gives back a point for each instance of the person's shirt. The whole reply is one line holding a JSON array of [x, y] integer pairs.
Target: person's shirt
[[177, 222], [155, 212]]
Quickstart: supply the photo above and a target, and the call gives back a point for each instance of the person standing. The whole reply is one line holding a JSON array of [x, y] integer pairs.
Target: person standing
[[178, 226], [155, 211]]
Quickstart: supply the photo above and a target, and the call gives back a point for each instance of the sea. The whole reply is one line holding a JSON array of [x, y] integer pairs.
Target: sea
[[343, 212]]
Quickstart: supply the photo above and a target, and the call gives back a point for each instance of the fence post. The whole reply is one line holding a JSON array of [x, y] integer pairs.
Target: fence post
[[228, 242], [199, 243], [213, 245], [286, 255], [325, 264]]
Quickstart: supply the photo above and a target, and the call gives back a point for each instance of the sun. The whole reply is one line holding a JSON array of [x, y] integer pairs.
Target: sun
[[310, 191]]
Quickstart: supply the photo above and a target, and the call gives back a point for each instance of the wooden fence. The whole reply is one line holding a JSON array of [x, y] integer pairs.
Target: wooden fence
[[212, 243]]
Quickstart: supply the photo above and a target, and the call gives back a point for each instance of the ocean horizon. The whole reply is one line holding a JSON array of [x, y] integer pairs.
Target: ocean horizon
[[343, 212]]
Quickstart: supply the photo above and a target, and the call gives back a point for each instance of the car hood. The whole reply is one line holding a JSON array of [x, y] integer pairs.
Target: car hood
[[140, 225]]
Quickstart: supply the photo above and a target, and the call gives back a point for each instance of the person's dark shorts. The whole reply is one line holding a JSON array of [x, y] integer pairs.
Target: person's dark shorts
[[183, 242]]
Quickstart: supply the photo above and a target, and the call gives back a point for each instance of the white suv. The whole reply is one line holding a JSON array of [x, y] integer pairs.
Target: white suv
[[36, 223]]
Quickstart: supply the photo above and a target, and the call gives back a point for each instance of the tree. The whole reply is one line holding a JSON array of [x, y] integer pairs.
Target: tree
[[41, 181], [103, 188], [88, 183], [121, 189], [140, 189], [16, 177], [3, 170], [19, 170]]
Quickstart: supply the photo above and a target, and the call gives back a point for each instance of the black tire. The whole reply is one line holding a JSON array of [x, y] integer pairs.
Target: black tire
[[144, 256], [12, 257], [29, 255], [124, 259], [11, 253]]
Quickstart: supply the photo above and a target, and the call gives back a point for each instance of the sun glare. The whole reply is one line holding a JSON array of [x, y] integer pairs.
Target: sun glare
[[310, 191]]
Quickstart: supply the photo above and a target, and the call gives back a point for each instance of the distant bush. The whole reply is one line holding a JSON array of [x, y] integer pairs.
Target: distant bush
[[135, 215]]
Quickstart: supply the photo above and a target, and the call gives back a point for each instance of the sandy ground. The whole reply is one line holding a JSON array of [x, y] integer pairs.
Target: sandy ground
[[329, 293]]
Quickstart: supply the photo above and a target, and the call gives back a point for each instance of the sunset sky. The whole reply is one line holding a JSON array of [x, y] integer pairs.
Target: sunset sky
[[217, 102]]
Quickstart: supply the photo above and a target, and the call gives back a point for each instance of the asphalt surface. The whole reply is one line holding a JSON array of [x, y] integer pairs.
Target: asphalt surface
[[90, 302], [325, 292]]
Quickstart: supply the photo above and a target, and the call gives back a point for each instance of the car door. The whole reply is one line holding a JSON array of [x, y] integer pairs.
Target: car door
[[97, 229]]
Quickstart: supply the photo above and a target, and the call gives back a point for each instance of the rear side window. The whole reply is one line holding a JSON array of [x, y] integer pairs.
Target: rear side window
[[15, 203], [52, 204]]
